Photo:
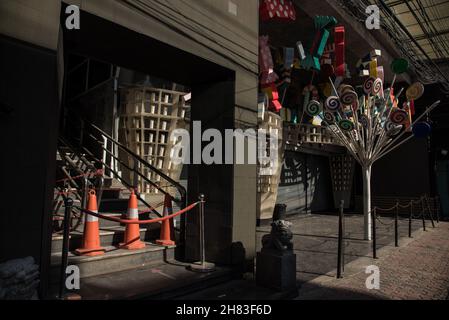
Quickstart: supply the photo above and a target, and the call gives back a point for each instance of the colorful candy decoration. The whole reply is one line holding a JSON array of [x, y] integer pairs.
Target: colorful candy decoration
[[281, 10], [399, 66], [301, 51], [332, 103], [313, 108], [339, 38], [398, 116], [266, 62], [312, 59], [348, 97], [421, 129], [329, 117], [415, 91], [367, 66], [377, 86], [273, 95], [346, 125], [392, 129], [368, 85], [326, 58]]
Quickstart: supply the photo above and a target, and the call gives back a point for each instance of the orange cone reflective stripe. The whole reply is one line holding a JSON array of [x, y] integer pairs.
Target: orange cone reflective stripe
[[132, 231]]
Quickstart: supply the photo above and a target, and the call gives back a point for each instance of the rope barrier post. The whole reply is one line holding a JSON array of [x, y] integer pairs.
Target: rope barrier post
[[422, 215], [396, 231], [202, 265], [410, 220], [68, 202], [430, 212], [436, 208], [340, 242], [374, 217]]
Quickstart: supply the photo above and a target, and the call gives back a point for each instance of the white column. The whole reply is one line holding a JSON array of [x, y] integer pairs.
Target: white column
[[366, 171]]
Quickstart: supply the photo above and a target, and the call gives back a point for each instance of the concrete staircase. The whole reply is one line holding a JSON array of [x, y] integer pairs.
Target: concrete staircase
[[113, 202]]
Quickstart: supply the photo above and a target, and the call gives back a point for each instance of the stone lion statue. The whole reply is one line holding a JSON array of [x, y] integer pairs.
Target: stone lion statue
[[279, 238]]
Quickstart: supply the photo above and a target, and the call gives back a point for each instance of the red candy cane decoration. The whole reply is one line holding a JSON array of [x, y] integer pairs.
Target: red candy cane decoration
[[339, 51]]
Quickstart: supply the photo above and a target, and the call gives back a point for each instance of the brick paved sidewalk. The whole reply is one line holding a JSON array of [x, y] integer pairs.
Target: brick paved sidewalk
[[418, 269]]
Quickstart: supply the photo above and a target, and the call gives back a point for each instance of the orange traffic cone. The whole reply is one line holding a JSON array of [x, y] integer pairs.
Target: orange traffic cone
[[165, 239], [91, 237], [132, 231]]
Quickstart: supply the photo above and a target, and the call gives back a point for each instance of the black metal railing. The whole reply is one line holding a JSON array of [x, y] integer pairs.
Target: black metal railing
[[424, 210], [92, 137]]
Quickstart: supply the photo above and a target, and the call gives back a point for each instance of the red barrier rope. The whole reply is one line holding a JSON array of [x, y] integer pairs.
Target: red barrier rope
[[99, 172], [125, 221]]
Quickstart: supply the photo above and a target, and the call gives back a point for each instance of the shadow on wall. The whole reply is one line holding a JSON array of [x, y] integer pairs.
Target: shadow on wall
[[304, 184]]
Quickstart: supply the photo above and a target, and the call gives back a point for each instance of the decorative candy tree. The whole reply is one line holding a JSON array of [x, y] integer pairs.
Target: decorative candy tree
[[373, 125]]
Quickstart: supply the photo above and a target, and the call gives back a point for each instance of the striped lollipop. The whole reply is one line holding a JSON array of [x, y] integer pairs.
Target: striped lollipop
[[313, 108], [348, 97], [329, 117], [398, 116], [368, 85], [332, 103], [346, 125]]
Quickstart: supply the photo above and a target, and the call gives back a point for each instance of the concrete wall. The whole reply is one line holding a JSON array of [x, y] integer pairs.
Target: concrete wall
[[28, 133], [221, 31], [305, 181]]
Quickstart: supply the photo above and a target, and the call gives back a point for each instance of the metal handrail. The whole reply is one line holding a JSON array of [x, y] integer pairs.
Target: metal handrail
[[115, 173], [182, 191]]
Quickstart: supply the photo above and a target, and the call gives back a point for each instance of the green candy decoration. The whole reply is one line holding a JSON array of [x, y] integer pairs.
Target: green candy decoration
[[346, 125], [399, 66]]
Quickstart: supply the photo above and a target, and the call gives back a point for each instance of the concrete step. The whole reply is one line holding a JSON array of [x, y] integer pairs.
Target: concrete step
[[163, 281], [113, 205], [109, 236], [114, 260]]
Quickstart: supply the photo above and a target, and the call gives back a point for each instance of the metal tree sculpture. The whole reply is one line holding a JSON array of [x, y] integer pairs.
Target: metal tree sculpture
[[373, 125]]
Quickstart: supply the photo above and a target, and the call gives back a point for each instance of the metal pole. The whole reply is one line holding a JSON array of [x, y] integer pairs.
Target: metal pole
[[374, 216], [202, 265], [410, 220], [422, 215], [202, 249], [430, 212], [340, 242], [68, 202], [437, 208], [396, 233]]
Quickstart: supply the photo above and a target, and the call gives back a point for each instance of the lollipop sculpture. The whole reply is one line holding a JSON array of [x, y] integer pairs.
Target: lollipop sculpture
[[373, 125]]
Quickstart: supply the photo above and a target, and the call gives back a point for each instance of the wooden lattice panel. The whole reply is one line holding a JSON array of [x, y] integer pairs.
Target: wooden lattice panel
[[342, 174], [149, 115]]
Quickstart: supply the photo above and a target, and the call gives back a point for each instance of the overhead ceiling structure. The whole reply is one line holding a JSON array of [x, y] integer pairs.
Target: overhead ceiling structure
[[428, 22], [420, 29]]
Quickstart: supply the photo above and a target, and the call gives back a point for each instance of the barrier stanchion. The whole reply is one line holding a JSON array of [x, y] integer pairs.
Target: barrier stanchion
[[202, 265], [436, 208], [373, 215], [340, 242], [430, 212], [422, 215], [68, 203], [396, 231], [410, 220]]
